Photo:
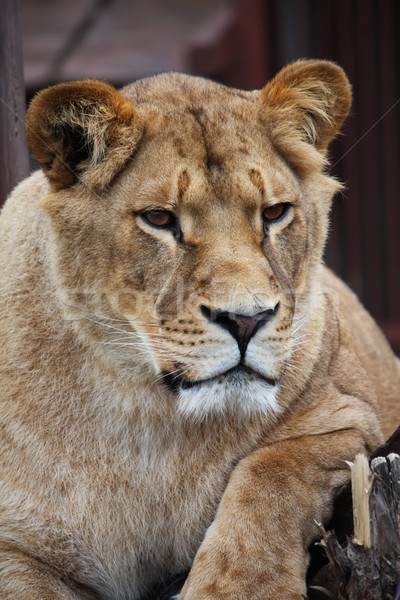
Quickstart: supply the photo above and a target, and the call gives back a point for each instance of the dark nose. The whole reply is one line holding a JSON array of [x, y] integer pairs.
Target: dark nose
[[241, 327]]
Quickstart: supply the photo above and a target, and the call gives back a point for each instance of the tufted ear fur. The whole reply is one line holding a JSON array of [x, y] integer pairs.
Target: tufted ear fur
[[82, 130], [304, 107]]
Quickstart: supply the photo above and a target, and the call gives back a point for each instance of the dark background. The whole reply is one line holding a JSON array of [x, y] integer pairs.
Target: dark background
[[244, 43]]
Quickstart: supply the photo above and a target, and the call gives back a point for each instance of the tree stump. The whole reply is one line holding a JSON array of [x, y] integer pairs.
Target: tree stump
[[367, 565]]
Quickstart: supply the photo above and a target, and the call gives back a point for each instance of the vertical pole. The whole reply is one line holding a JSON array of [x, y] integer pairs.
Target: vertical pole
[[14, 157]]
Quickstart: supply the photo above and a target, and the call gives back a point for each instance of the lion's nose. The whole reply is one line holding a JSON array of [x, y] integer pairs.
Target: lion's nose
[[241, 327]]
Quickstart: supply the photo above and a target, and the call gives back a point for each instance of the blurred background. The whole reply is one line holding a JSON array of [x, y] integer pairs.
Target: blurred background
[[243, 43]]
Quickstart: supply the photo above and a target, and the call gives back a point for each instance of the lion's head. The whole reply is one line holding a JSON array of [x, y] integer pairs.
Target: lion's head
[[190, 221]]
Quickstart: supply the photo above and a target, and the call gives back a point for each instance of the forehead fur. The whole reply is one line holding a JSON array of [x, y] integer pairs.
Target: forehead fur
[[175, 91], [284, 112]]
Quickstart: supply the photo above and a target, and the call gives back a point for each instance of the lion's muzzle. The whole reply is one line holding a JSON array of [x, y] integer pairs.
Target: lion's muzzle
[[241, 327]]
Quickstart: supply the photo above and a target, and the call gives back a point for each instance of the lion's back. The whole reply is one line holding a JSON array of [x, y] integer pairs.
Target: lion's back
[[371, 347]]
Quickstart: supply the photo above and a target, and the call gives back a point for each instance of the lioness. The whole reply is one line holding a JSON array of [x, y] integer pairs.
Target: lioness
[[181, 379]]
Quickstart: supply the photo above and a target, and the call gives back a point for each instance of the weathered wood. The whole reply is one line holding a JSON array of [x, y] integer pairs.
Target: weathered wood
[[361, 487], [367, 566], [14, 158]]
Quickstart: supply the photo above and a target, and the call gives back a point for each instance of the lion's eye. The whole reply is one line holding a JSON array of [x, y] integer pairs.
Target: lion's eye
[[159, 218], [163, 219], [276, 212]]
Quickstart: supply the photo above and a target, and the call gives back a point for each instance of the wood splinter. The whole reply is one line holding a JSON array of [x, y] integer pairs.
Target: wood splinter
[[361, 487]]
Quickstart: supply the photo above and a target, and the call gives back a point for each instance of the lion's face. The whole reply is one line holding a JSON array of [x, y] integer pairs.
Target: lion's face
[[213, 300], [198, 258]]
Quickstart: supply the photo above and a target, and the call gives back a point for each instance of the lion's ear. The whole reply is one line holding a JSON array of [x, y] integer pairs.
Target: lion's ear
[[306, 102], [82, 131]]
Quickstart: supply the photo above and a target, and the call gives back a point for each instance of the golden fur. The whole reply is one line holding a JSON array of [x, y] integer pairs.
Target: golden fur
[[118, 469]]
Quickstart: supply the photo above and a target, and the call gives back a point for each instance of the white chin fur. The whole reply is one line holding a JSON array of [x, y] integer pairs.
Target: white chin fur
[[245, 395]]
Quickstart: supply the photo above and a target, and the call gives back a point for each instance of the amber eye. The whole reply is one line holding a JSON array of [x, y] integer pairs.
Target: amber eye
[[276, 212], [159, 218]]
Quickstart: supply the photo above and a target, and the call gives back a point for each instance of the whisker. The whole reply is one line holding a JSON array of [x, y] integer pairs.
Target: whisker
[[137, 344], [130, 336], [106, 325], [136, 347], [300, 338], [297, 325], [126, 322], [292, 370], [100, 320], [178, 371]]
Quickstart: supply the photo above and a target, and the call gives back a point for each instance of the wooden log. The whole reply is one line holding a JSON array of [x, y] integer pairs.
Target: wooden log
[[367, 565]]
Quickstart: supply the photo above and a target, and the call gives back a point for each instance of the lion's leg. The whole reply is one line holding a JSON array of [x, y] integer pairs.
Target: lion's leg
[[24, 578], [257, 546]]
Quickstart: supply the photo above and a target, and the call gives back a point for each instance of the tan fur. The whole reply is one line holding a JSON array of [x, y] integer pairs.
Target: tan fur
[[117, 471]]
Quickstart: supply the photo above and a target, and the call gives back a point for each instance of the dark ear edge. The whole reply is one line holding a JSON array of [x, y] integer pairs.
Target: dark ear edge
[[82, 131], [307, 101]]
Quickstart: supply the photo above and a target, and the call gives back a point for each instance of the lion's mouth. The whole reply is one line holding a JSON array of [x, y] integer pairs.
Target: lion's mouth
[[236, 375]]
